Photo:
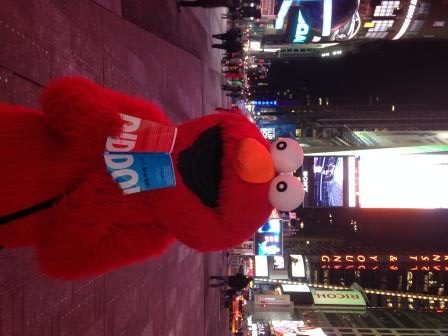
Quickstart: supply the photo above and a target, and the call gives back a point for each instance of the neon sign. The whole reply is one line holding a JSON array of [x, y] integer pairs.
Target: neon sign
[[425, 262]]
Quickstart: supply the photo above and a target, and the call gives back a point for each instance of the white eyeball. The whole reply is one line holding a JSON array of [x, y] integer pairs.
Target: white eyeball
[[286, 192], [287, 155]]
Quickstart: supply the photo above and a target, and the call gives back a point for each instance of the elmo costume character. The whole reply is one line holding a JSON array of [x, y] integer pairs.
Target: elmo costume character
[[59, 197]]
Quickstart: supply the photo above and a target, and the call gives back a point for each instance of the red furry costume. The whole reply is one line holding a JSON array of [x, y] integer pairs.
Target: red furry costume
[[94, 228]]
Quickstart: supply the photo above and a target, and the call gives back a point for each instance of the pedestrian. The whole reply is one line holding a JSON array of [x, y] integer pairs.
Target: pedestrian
[[234, 75], [232, 34], [229, 46], [238, 281]]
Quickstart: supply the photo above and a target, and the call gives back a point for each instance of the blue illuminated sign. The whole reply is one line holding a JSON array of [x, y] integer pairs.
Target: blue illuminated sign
[[302, 29], [266, 102]]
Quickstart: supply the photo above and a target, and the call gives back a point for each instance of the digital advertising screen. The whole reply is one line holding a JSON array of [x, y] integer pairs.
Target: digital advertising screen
[[273, 131], [261, 266], [315, 21], [279, 262], [403, 181], [295, 328], [325, 181], [268, 238], [297, 265]]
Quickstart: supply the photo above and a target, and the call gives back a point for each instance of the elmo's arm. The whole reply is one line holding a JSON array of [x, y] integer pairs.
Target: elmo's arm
[[96, 230], [82, 111]]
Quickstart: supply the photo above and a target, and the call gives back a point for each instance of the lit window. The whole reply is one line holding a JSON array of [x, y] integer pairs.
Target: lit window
[[438, 24], [376, 34], [387, 8], [381, 25]]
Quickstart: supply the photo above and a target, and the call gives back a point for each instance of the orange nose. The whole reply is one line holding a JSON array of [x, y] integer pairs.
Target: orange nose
[[252, 161]]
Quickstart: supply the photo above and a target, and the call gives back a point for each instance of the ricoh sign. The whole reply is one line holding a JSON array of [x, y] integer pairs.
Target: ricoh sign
[[338, 297]]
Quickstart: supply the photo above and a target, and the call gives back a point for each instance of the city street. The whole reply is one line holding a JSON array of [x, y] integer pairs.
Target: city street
[[141, 47]]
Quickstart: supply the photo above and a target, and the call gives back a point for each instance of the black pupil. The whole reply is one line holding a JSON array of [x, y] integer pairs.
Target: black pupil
[[281, 145], [282, 186]]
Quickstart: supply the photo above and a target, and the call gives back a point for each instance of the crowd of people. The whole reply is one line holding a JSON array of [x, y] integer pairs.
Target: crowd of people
[[232, 41]]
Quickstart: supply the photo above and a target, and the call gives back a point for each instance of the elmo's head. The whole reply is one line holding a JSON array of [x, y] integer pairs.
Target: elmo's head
[[227, 181]]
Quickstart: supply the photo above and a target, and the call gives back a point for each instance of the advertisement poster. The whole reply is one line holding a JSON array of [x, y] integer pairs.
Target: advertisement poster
[[295, 328], [350, 297], [324, 181], [403, 181], [268, 238], [272, 131], [297, 266]]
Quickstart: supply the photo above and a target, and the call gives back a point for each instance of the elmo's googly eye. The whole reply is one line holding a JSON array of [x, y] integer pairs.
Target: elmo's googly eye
[[287, 155], [286, 192]]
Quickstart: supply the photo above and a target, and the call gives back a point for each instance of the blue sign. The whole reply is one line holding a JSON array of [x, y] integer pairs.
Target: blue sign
[[136, 172], [272, 131], [266, 102]]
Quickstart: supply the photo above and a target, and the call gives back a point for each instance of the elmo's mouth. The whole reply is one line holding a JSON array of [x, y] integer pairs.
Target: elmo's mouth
[[200, 166]]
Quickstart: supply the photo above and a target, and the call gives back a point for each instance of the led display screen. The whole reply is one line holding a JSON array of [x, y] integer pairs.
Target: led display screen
[[279, 263], [403, 181], [297, 266], [268, 238], [261, 266], [295, 328], [323, 180]]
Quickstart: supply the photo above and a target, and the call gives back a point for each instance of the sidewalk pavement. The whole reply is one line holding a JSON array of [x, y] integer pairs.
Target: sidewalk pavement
[[142, 47]]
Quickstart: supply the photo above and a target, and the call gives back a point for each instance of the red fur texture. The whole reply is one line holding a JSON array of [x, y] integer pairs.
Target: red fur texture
[[95, 228]]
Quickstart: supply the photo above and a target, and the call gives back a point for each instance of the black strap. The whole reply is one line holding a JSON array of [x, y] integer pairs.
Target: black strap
[[29, 211]]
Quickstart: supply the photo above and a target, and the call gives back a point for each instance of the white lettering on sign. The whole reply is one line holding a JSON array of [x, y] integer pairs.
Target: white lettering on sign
[[120, 163], [305, 180], [302, 29], [268, 132]]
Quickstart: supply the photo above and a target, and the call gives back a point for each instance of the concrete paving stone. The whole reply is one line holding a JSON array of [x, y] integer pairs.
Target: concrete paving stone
[[17, 268], [22, 54], [212, 91], [112, 5], [137, 68], [64, 63], [86, 50], [6, 310], [18, 320], [120, 311], [79, 318], [39, 307], [25, 92], [84, 15], [6, 89], [18, 13], [121, 280], [148, 331], [49, 24], [96, 330], [92, 287], [117, 79]]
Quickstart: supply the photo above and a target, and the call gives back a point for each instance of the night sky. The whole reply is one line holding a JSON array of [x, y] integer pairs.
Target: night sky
[[399, 72]]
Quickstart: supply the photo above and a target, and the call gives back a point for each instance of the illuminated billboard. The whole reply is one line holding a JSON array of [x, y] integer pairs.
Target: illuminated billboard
[[268, 238], [403, 181], [272, 131], [349, 297], [279, 262], [295, 328], [376, 179], [297, 266], [311, 21], [261, 266], [323, 178]]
